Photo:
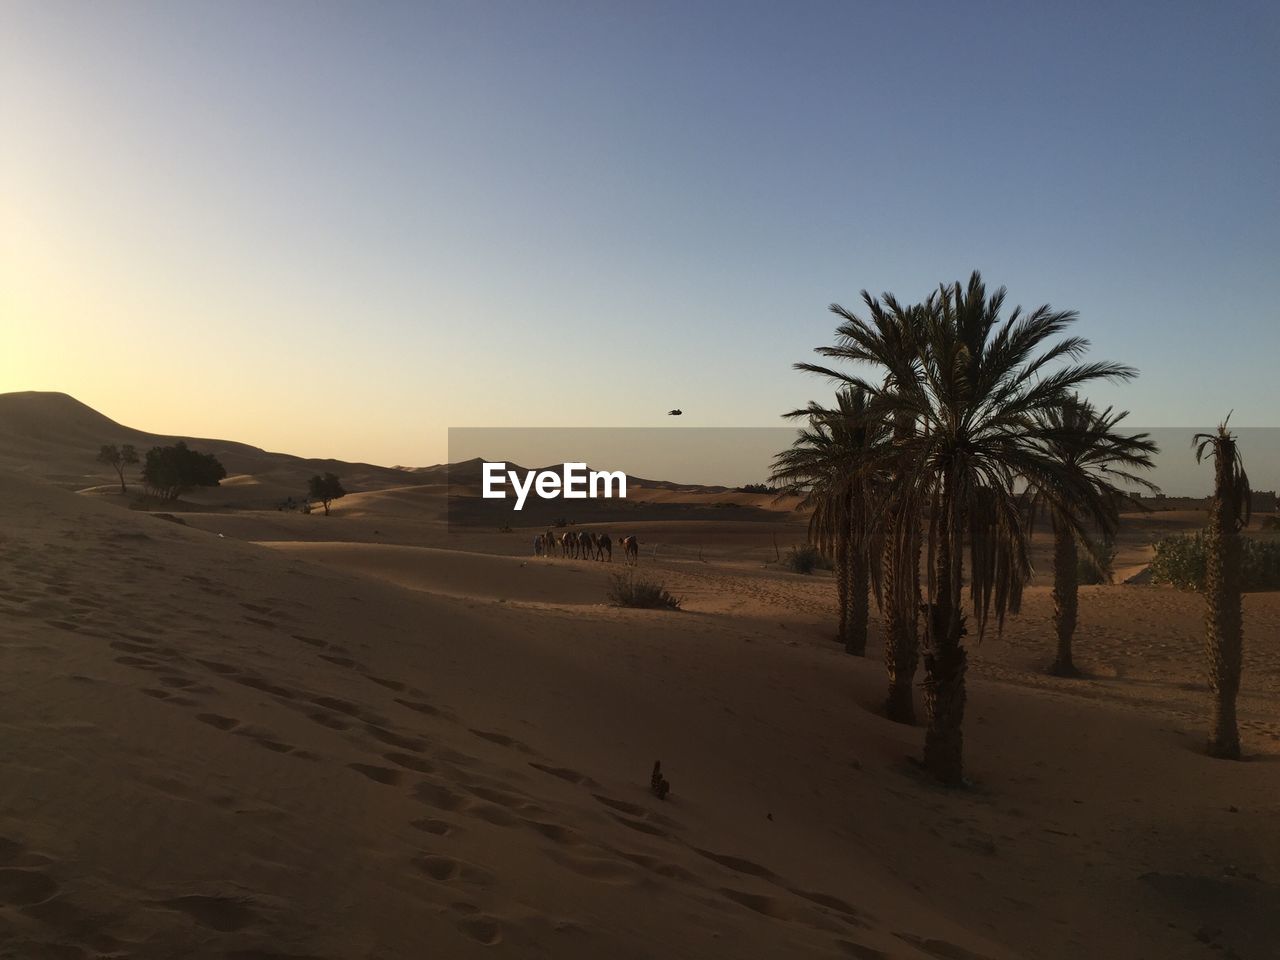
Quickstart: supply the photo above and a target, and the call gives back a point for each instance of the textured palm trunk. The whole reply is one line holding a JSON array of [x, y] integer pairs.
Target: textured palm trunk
[[901, 593], [859, 600], [1223, 632], [842, 587], [946, 661], [1066, 592], [901, 618]]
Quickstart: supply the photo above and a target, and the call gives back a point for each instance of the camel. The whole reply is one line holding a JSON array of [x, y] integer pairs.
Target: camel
[[539, 544], [568, 544], [630, 548], [586, 545], [604, 547]]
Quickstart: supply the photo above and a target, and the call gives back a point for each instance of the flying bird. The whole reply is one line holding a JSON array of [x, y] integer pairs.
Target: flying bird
[[674, 413]]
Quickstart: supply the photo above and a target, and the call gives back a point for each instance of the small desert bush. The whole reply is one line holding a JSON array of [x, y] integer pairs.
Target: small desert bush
[[626, 591], [1179, 561], [755, 488], [805, 559]]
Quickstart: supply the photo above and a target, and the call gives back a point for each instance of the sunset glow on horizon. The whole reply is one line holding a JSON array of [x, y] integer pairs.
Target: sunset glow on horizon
[[339, 231]]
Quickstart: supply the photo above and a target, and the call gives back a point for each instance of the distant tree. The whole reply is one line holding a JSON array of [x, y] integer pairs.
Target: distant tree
[[1090, 456], [171, 471], [1224, 634], [326, 489], [118, 458]]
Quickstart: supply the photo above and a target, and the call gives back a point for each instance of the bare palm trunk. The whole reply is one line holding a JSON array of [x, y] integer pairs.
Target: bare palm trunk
[[946, 661], [901, 645], [859, 601], [1223, 631], [842, 587], [1066, 592]]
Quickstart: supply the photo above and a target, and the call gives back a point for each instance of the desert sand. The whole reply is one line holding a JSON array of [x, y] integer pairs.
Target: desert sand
[[233, 732]]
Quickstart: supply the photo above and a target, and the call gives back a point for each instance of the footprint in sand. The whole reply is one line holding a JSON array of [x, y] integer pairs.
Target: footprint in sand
[[328, 720], [132, 647], [941, 949], [738, 864], [265, 739], [555, 832], [217, 913], [482, 929], [257, 683], [383, 775], [394, 739], [410, 762], [599, 869], [502, 740], [861, 952], [447, 870], [564, 773], [349, 708], [430, 825], [21, 888], [218, 721]]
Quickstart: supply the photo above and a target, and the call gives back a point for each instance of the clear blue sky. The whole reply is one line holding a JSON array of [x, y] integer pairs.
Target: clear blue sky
[[368, 222]]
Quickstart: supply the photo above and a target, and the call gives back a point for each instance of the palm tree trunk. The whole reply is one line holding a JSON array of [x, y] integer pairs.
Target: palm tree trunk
[[855, 642], [842, 587], [1223, 631], [946, 661], [1066, 592], [901, 647]]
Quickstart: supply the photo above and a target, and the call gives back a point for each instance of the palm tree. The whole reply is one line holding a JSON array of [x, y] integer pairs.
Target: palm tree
[[984, 383], [1228, 515], [1084, 442], [889, 340], [824, 465]]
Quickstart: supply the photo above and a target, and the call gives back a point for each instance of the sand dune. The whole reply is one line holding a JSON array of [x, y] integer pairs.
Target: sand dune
[[224, 750], [54, 437], [242, 733]]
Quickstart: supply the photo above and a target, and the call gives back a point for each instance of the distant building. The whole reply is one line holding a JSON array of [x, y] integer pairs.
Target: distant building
[[1263, 501]]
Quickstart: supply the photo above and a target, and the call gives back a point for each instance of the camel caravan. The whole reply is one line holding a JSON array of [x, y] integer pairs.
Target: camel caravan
[[584, 545]]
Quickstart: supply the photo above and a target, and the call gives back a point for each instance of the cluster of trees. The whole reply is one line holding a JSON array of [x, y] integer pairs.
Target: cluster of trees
[[955, 428], [170, 471]]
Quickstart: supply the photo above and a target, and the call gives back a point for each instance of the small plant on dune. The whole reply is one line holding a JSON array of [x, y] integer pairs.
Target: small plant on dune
[[805, 559], [755, 488], [626, 591]]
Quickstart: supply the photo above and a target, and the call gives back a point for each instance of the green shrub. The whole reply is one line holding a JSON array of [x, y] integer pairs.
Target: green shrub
[[1179, 561], [805, 559], [626, 591]]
